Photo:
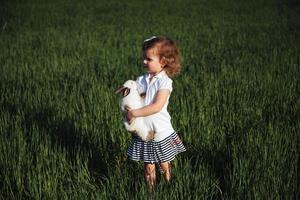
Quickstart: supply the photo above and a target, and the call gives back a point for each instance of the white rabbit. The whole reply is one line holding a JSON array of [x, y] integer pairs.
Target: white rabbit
[[132, 99]]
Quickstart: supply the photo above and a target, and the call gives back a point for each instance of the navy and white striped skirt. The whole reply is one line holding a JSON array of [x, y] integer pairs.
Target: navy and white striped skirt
[[155, 152]]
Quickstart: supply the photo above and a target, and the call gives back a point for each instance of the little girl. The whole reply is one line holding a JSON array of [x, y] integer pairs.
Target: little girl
[[161, 61]]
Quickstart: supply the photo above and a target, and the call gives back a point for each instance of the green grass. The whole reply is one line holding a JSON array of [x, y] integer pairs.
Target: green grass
[[236, 103]]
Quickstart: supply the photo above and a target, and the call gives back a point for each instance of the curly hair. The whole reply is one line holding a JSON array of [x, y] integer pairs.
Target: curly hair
[[168, 52]]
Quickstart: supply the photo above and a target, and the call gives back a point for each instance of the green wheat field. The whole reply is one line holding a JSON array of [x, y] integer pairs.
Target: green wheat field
[[236, 104]]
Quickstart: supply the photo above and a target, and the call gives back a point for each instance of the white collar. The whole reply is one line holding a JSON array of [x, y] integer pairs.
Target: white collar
[[158, 76]]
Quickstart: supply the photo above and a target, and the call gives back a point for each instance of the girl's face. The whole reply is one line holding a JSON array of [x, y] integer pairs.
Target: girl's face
[[152, 62]]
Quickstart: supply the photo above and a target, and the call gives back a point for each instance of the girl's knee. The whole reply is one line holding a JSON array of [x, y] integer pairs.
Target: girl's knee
[[149, 170], [165, 167], [166, 170], [150, 174]]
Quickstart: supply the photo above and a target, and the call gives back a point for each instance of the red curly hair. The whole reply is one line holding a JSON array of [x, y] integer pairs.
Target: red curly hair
[[168, 52]]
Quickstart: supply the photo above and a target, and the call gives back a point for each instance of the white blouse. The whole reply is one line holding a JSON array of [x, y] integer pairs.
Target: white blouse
[[159, 122]]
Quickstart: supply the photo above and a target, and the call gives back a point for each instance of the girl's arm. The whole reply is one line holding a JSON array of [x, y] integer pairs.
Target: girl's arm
[[158, 103]]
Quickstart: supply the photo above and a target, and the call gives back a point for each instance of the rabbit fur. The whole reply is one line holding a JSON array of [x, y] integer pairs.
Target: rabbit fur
[[132, 99]]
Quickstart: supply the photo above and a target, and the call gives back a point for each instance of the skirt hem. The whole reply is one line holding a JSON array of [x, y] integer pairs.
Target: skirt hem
[[155, 152]]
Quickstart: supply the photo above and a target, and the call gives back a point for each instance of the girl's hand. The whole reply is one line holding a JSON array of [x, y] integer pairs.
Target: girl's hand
[[129, 115]]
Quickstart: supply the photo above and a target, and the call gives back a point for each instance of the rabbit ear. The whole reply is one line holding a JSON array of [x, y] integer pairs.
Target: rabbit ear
[[119, 89], [125, 91]]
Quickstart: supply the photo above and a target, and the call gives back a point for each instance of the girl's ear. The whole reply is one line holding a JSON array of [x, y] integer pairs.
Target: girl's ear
[[163, 61]]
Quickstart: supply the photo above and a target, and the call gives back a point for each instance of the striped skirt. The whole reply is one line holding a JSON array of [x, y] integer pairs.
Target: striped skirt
[[155, 152]]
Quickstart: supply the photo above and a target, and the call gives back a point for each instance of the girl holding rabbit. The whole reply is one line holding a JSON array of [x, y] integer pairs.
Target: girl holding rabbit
[[161, 61]]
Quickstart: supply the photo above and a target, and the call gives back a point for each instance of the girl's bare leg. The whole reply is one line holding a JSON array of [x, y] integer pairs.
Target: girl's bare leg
[[166, 169], [150, 175]]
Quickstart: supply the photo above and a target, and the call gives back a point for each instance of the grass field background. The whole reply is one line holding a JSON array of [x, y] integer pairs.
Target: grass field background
[[236, 103]]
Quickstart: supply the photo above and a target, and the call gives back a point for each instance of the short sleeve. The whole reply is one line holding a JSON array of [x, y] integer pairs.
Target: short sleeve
[[166, 83], [141, 87]]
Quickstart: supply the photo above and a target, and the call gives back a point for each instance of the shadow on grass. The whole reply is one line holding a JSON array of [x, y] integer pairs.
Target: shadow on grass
[[64, 134], [218, 162]]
